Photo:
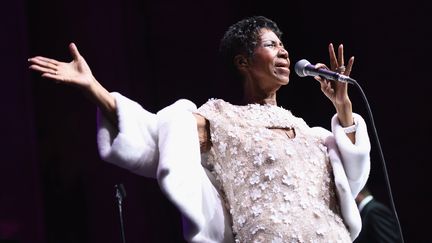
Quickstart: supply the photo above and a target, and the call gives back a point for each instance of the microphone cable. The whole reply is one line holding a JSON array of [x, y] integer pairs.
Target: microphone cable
[[369, 111]]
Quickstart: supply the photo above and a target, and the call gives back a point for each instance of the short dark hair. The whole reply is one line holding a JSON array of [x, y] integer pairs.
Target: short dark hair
[[242, 38]]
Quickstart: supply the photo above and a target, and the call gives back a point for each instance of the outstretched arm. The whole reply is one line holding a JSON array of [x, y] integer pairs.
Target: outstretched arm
[[77, 73]]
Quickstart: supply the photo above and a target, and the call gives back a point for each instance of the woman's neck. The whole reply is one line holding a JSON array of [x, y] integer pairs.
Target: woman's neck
[[261, 98], [256, 95]]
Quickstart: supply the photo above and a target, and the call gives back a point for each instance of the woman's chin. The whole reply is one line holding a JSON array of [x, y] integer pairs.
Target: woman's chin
[[284, 81]]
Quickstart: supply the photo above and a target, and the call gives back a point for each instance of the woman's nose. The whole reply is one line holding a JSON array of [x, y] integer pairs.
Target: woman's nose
[[283, 52]]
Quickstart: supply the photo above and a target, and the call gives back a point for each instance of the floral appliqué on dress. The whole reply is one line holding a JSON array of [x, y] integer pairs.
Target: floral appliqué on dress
[[276, 188]]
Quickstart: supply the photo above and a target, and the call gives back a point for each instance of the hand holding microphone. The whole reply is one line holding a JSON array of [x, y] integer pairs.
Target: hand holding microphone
[[334, 84], [341, 73], [304, 68]]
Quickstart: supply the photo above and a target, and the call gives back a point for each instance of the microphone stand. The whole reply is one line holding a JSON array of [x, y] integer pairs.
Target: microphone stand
[[120, 195]]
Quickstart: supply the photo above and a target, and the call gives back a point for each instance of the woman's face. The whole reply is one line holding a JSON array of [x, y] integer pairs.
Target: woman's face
[[269, 65]]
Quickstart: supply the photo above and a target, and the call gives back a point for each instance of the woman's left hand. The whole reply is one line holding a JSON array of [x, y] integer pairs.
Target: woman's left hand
[[336, 91]]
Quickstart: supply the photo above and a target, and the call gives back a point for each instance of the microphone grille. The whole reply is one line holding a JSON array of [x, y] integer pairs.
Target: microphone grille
[[121, 190], [300, 67]]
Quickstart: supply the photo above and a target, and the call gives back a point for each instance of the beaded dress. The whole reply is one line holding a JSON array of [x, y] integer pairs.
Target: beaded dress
[[276, 188]]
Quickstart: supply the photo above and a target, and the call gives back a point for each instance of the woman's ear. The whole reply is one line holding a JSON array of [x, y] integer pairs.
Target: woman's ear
[[241, 62]]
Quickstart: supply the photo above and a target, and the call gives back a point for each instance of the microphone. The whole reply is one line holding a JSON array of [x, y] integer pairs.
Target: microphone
[[303, 68]]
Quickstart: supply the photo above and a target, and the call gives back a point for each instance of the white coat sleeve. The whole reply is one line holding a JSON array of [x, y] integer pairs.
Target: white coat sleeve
[[183, 179], [351, 167], [131, 145], [355, 157]]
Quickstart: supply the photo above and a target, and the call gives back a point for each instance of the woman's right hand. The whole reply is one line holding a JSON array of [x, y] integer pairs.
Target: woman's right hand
[[76, 72]]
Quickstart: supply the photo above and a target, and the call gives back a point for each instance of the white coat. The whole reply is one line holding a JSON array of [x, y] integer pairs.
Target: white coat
[[165, 146]]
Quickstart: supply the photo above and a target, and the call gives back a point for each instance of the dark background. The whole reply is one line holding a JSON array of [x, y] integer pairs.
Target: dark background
[[55, 188]]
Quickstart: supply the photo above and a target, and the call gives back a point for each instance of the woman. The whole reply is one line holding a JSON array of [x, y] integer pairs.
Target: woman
[[246, 173]]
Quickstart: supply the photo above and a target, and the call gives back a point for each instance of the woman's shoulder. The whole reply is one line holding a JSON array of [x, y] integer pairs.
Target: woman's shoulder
[[215, 102], [213, 105], [216, 109]]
